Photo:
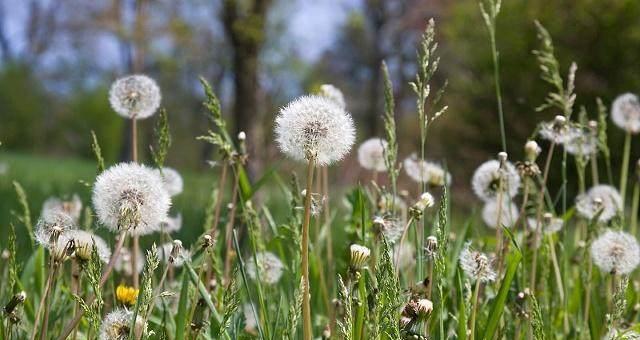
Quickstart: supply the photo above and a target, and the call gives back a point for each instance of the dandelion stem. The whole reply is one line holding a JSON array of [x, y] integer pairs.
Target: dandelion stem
[[136, 240], [44, 306], [105, 275], [594, 169], [625, 169], [306, 296], [228, 233], [362, 301], [404, 235], [635, 201], [474, 309]]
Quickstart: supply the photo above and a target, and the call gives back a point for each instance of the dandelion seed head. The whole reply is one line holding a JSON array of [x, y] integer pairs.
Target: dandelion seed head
[[548, 224], [425, 171], [130, 196], [556, 131], [581, 142], [492, 214], [625, 112], [135, 96], [124, 261], [168, 251], [487, 177], [331, 92], [171, 224], [314, 127], [477, 265], [371, 154], [72, 206], [616, 334], [84, 242], [388, 226], [116, 325], [603, 198], [250, 322], [269, 269], [616, 252], [52, 225], [172, 181]]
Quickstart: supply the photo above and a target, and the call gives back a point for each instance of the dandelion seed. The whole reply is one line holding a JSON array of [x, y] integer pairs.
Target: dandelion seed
[[331, 92], [388, 226], [171, 252], [171, 224], [135, 96], [127, 295], [476, 265], [600, 199], [72, 207], [556, 131], [487, 177], [581, 142], [425, 171], [52, 226], [84, 242], [371, 154], [314, 128], [269, 267], [130, 196], [625, 112], [616, 252], [116, 325], [548, 225], [507, 214], [172, 181], [359, 256], [317, 202]]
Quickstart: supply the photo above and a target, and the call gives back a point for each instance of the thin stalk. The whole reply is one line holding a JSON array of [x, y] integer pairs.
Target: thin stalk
[[543, 188], [556, 267], [75, 288], [474, 309], [136, 239], [306, 296], [624, 172], [216, 216], [105, 276], [228, 233], [496, 76], [327, 221], [156, 293], [594, 169], [362, 299], [404, 235], [44, 306], [499, 226], [634, 207], [587, 298]]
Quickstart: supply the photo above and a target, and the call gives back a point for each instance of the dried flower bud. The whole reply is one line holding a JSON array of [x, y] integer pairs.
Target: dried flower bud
[[532, 150], [175, 250], [14, 302], [431, 246], [425, 307], [359, 256]]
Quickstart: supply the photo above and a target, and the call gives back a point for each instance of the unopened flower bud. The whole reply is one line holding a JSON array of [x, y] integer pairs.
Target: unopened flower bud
[[431, 246], [559, 120], [532, 150], [359, 256], [242, 136]]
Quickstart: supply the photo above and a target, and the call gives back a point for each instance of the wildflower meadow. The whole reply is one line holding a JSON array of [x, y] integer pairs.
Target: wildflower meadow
[[283, 253]]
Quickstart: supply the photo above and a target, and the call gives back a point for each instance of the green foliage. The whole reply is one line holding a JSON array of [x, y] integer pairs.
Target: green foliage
[[163, 139], [391, 151], [95, 146]]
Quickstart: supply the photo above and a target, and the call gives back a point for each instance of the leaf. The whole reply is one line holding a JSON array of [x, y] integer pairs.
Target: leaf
[[181, 316], [498, 308], [462, 309]]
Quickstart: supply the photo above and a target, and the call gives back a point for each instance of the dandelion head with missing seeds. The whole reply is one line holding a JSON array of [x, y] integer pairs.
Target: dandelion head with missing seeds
[[269, 267], [331, 92], [130, 196], [616, 252], [52, 225], [314, 128], [581, 141], [425, 171], [117, 325], [71, 206], [602, 200], [135, 96], [625, 112], [84, 242], [477, 265], [556, 131], [490, 178], [371, 154]]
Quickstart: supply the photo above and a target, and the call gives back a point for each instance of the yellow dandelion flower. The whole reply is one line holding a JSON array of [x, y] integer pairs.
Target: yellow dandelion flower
[[126, 295]]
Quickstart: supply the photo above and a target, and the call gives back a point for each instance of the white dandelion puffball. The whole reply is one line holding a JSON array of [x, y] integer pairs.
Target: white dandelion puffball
[[53, 225], [331, 92], [616, 252], [486, 180], [313, 127], [84, 242], [135, 97], [615, 334], [492, 214], [555, 131], [164, 253], [550, 226], [425, 171], [125, 259], [250, 322], [172, 181], [477, 265], [603, 198], [389, 226], [72, 207], [171, 224], [130, 196], [371, 154], [269, 269], [625, 112], [116, 325], [581, 142]]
